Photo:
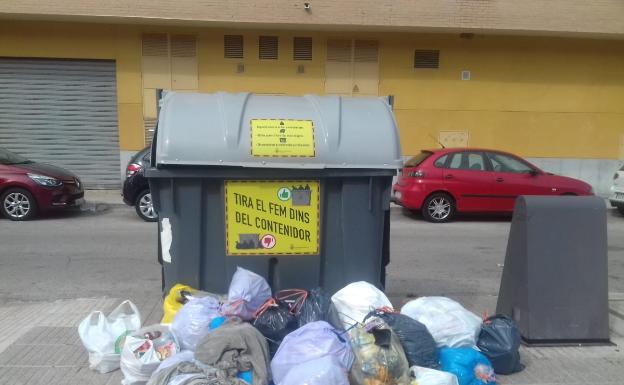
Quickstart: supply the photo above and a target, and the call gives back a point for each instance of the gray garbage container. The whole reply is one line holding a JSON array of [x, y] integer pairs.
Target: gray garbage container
[[554, 282], [296, 189]]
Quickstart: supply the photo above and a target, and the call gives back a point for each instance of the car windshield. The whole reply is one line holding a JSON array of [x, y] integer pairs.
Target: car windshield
[[7, 157], [418, 159]]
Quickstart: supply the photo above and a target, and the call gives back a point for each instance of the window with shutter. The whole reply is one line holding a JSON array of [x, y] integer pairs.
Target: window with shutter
[[183, 46], [267, 47], [339, 50], [184, 62], [155, 44], [302, 48], [366, 51], [233, 46], [426, 58]]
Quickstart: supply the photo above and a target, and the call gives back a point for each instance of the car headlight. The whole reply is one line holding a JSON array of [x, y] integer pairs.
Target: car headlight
[[45, 180]]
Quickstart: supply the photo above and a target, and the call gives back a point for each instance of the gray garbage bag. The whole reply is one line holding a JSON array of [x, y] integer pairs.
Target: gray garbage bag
[[499, 341]]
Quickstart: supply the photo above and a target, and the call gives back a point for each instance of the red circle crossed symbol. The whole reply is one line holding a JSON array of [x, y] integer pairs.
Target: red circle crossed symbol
[[268, 241]]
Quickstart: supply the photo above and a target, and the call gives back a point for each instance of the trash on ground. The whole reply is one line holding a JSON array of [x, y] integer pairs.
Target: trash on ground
[[448, 322], [309, 343], [354, 301], [104, 337], [379, 357], [144, 351], [174, 301], [428, 376], [326, 370], [419, 346], [248, 291], [235, 347], [353, 337], [307, 306], [469, 365], [274, 320], [185, 373], [499, 340], [192, 321]]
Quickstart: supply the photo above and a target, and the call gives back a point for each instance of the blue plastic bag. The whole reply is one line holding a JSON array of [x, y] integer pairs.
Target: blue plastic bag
[[469, 365]]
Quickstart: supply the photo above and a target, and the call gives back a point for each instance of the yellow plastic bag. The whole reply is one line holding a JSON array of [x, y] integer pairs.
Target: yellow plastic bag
[[173, 302]]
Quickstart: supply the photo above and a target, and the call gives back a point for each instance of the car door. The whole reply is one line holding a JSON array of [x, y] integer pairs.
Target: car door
[[468, 178], [516, 177]]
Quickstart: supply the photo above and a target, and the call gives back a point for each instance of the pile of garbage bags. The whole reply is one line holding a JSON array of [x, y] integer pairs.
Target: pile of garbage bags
[[301, 337]]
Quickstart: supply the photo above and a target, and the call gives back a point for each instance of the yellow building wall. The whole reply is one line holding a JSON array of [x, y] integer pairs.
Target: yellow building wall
[[538, 97], [260, 76], [546, 97]]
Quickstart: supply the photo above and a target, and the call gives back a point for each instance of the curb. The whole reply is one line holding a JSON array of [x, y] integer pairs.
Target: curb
[[616, 316]]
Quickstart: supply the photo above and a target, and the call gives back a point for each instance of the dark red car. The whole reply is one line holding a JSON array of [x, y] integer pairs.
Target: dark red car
[[28, 188], [443, 182]]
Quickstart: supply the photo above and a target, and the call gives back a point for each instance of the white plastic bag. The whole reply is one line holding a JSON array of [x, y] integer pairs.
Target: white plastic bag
[[448, 322], [192, 322], [248, 291], [141, 355], [310, 342], [321, 371], [354, 301], [426, 376], [103, 336]]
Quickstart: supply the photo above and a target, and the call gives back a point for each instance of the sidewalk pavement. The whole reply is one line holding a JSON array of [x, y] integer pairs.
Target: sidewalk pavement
[[39, 344], [108, 197]]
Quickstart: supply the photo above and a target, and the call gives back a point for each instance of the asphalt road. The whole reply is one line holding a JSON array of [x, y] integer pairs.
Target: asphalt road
[[113, 254]]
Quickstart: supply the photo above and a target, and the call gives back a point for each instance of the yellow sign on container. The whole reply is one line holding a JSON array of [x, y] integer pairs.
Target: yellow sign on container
[[272, 217], [282, 138]]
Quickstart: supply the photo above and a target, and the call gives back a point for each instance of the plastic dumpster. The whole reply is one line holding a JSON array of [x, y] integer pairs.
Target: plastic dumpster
[[296, 189], [555, 279]]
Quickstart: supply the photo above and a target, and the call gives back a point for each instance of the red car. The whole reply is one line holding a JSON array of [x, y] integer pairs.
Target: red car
[[442, 182], [28, 188]]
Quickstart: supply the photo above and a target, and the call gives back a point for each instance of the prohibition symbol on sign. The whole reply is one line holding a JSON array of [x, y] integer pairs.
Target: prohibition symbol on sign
[[268, 241]]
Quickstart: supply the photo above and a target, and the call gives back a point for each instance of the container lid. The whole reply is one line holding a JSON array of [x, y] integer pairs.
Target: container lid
[[311, 132]]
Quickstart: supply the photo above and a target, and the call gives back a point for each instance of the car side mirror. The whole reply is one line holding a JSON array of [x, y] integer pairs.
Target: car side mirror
[[534, 172]]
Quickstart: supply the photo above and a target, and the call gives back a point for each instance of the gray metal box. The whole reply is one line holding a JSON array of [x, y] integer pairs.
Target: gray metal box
[[317, 216], [554, 282]]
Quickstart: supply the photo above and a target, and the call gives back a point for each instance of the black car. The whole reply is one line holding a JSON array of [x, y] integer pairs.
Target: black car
[[136, 190]]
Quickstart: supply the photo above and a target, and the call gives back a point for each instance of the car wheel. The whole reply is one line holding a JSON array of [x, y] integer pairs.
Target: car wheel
[[438, 208], [145, 207], [621, 210], [18, 204]]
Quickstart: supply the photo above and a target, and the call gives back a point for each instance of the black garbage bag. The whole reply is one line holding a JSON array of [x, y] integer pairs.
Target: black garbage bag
[[274, 321], [306, 306], [315, 307], [419, 346], [499, 341]]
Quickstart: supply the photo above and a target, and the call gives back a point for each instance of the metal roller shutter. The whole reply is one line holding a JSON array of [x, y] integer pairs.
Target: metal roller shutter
[[62, 112]]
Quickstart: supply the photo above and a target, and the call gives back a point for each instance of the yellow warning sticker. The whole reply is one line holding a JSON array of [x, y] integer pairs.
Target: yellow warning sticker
[[282, 138], [272, 217]]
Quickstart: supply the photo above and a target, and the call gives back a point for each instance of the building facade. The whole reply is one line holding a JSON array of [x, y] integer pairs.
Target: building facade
[[79, 79]]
